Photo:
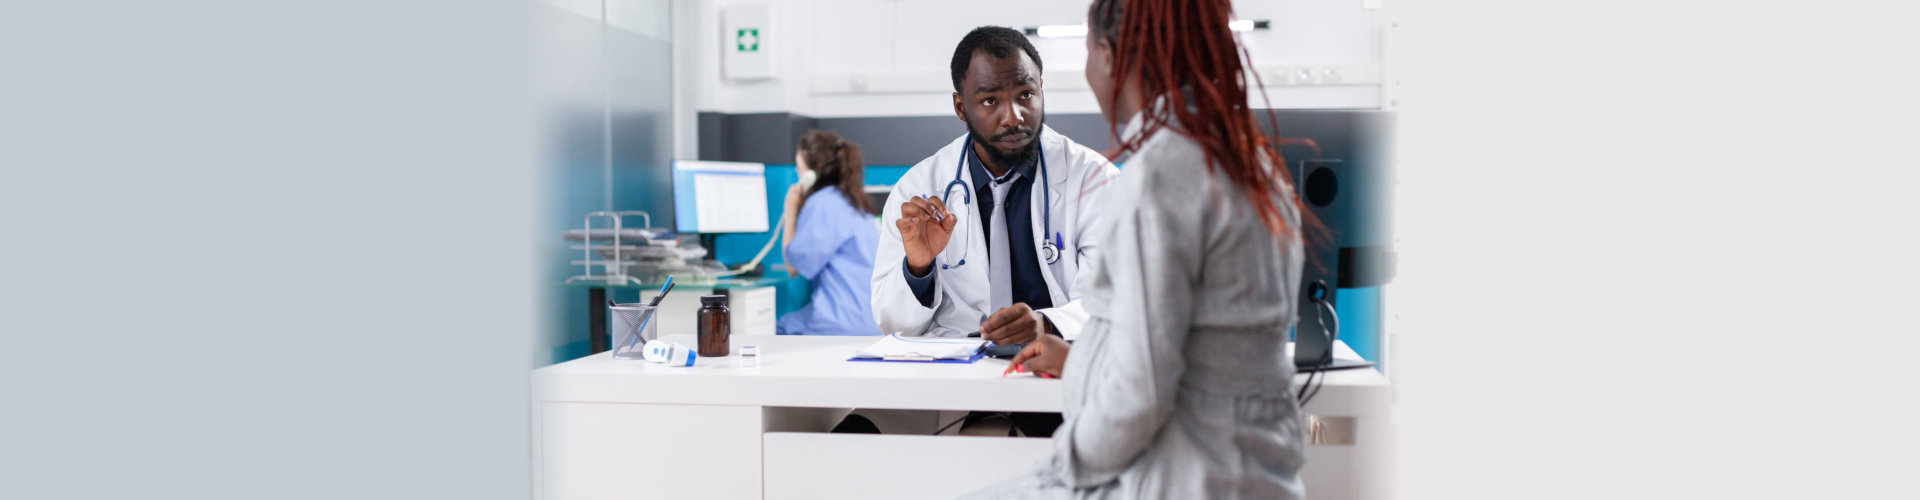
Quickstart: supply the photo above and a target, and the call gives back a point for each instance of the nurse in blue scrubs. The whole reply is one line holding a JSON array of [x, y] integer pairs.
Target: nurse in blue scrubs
[[830, 238]]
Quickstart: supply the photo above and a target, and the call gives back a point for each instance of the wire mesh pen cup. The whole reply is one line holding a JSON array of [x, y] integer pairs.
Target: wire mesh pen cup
[[624, 321]]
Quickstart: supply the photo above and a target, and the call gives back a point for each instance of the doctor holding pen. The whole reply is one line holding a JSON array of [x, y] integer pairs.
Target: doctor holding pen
[[1178, 388], [829, 238], [994, 233]]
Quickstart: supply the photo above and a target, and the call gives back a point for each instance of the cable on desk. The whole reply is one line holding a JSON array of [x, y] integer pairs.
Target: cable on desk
[[956, 421], [1326, 359]]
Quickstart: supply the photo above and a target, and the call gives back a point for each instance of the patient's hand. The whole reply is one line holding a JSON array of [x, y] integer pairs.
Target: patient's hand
[[1045, 356]]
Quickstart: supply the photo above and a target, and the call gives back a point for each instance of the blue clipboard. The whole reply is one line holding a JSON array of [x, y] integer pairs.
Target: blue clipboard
[[976, 357]]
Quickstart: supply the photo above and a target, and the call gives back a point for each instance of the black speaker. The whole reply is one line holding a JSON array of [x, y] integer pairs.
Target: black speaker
[[1341, 163], [1317, 183], [1350, 248]]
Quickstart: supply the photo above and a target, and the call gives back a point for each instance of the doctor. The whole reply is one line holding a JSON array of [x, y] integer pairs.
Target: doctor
[[995, 232]]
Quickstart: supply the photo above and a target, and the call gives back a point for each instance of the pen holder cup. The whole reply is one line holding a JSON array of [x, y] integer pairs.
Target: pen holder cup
[[623, 320]]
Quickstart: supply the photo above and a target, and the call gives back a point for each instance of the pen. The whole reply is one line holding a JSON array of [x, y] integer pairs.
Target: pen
[[1023, 369], [935, 216], [655, 305], [648, 317], [663, 292]]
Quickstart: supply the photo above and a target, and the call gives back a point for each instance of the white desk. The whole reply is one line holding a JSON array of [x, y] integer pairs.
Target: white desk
[[608, 428]]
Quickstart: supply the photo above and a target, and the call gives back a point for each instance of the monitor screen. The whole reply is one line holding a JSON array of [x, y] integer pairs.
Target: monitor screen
[[719, 197]]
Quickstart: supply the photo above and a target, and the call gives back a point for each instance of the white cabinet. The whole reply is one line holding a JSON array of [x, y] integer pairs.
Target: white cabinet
[[752, 309], [608, 428]]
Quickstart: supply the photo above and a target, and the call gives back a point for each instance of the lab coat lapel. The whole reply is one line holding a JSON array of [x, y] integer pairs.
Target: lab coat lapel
[[1055, 177]]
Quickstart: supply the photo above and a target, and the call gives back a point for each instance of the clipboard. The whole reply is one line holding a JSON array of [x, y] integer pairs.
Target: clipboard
[[976, 357], [897, 348]]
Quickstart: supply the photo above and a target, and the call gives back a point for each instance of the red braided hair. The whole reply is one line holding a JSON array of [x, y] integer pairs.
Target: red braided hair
[[1183, 50]]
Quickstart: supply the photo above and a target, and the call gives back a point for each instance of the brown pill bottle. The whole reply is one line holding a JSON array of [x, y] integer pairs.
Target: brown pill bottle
[[716, 325]]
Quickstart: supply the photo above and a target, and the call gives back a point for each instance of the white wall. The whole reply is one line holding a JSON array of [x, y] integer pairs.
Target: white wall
[[889, 57]]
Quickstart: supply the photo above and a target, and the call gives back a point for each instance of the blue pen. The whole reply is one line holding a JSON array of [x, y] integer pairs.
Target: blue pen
[[669, 286], [655, 304], [935, 216], [648, 317]]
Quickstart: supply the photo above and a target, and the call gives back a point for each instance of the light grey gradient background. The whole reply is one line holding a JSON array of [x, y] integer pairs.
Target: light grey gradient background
[[1657, 249], [1689, 225], [266, 250]]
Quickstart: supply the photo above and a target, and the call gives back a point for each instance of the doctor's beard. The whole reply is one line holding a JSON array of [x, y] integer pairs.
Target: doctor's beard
[[1024, 156]]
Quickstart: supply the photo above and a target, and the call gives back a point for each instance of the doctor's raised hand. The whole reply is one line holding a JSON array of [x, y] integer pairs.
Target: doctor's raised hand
[[925, 226]]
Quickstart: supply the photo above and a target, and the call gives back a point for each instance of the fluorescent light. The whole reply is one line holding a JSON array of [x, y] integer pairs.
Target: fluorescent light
[[1241, 25], [1061, 30]]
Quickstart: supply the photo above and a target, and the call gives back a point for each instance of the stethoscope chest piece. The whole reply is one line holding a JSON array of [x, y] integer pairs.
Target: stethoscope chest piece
[[1050, 250]]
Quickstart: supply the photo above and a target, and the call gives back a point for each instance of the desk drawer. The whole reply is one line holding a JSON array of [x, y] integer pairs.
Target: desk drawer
[[592, 451], [820, 465]]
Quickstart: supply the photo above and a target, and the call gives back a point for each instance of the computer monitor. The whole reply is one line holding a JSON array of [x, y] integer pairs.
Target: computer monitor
[[719, 197], [877, 195]]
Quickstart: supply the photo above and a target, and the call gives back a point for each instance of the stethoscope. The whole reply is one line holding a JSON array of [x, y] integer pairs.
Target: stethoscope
[[1049, 250]]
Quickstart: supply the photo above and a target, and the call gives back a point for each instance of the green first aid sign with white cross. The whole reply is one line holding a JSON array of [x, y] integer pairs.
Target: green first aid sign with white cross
[[744, 52], [747, 40]]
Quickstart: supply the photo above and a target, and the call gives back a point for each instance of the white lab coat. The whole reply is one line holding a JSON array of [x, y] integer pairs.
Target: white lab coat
[[1077, 180]]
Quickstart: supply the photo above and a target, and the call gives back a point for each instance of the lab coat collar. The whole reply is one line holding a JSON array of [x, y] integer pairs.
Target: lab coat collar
[[1053, 146], [1056, 153], [982, 176]]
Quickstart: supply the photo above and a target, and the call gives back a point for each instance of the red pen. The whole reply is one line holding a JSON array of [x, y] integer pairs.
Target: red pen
[[1022, 369]]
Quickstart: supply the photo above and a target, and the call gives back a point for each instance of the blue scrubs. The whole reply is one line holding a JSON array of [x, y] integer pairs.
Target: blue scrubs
[[833, 246]]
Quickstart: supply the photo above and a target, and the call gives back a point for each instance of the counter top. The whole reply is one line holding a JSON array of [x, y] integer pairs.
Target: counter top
[[809, 371]]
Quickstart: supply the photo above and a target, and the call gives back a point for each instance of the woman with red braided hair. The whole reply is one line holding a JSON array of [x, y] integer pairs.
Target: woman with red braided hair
[[1178, 386]]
